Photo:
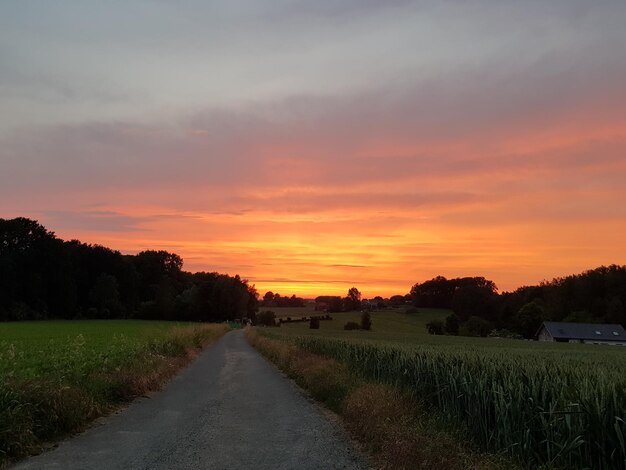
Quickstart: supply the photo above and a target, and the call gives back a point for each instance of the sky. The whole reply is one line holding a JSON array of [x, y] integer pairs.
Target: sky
[[314, 146]]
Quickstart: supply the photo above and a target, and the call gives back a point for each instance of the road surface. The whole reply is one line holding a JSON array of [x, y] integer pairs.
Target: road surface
[[230, 409]]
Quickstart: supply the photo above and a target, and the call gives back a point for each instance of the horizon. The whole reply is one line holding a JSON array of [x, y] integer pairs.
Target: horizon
[[365, 295], [311, 148]]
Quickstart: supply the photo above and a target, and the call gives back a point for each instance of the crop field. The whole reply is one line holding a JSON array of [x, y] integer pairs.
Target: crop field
[[55, 376], [547, 405]]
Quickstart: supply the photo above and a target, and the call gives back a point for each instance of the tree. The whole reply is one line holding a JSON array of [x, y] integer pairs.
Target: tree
[[104, 296], [353, 300], [335, 304], [476, 326], [452, 325], [615, 311], [435, 327], [397, 300], [529, 319], [266, 318], [366, 321], [475, 296], [435, 293], [268, 298]]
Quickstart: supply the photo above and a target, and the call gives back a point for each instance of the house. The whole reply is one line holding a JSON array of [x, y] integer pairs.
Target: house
[[589, 333]]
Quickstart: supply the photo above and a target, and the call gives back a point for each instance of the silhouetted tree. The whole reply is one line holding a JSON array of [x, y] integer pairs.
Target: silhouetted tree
[[105, 298], [266, 318], [452, 325], [353, 300], [529, 319], [45, 277], [476, 326], [435, 327]]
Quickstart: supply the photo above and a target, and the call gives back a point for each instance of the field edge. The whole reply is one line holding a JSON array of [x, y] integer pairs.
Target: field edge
[[383, 419], [35, 414]]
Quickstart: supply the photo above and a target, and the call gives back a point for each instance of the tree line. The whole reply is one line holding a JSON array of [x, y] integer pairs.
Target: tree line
[[42, 277], [271, 299], [594, 296]]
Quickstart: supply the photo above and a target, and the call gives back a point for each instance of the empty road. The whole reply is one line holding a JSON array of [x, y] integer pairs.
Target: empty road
[[230, 409]]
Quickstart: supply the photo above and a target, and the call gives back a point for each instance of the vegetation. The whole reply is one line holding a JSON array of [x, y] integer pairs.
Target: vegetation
[[266, 318], [595, 296], [57, 376], [271, 299], [44, 277], [334, 304], [544, 404], [389, 422], [314, 323], [351, 325]]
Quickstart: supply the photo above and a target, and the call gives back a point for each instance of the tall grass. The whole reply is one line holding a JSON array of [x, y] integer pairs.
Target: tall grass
[[53, 386], [543, 413], [388, 422]]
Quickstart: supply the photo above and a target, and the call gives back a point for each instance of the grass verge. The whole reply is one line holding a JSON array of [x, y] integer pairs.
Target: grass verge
[[391, 424], [80, 384]]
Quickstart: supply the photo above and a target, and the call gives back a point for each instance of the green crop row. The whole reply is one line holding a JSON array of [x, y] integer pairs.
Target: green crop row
[[543, 413]]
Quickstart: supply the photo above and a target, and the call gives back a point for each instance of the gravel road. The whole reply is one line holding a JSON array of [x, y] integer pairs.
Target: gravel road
[[230, 409]]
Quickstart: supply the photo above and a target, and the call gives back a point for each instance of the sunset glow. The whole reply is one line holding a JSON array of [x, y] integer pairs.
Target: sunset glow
[[312, 149]]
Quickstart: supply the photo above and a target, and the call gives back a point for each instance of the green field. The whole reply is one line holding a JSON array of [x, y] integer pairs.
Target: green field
[[545, 404], [70, 350], [55, 376]]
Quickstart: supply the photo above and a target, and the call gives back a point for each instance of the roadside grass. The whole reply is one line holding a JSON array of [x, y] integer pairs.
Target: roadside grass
[[391, 424], [547, 405], [57, 376]]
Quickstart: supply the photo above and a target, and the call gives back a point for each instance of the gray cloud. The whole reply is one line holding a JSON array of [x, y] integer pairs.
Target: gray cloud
[[106, 221]]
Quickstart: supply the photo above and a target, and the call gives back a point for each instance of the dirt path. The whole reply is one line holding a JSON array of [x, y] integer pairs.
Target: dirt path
[[230, 409]]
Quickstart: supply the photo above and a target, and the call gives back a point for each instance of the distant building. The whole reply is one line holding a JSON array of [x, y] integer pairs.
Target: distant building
[[589, 333]]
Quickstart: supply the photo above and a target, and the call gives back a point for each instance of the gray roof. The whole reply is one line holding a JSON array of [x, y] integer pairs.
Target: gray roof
[[588, 331]]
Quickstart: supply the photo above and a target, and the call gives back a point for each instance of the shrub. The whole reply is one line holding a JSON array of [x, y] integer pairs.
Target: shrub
[[435, 327], [366, 321], [452, 325], [314, 323], [476, 326], [351, 325], [504, 333], [412, 310], [266, 318]]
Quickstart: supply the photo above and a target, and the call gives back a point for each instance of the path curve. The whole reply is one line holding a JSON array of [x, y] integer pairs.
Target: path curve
[[230, 409]]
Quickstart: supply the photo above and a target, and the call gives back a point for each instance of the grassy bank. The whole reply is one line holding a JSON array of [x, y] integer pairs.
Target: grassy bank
[[57, 376], [391, 424]]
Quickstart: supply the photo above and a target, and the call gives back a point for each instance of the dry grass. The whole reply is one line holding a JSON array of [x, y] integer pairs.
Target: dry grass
[[386, 421]]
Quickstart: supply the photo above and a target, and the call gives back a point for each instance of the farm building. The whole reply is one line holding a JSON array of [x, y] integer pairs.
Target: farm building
[[589, 333]]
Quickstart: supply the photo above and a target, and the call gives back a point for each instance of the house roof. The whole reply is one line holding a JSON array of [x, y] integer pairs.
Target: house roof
[[586, 331]]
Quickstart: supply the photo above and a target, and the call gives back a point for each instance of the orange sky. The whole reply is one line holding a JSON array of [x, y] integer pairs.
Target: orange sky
[[313, 149]]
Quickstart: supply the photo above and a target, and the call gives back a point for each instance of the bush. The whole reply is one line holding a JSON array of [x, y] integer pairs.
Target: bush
[[435, 327], [314, 323], [366, 321], [352, 325], [477, 326], [504, 333], [411, 310], [452, 325], [266, 318]]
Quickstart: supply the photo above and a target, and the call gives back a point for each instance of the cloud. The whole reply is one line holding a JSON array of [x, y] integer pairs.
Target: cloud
[[321, 141], [102, 221]]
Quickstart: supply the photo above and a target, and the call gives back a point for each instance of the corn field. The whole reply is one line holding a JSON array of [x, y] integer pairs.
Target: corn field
[[543, 413]]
